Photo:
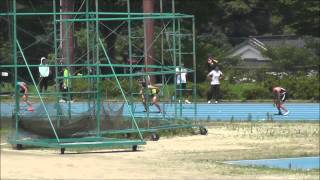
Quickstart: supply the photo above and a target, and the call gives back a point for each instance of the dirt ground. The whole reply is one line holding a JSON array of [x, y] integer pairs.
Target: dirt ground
[[189, 157]]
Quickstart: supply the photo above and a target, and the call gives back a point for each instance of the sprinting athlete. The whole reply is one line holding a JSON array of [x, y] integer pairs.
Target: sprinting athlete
[[280, 96], [151, 90], [24, 90]]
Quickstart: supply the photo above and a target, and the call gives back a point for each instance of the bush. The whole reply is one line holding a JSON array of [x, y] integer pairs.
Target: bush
[[6, 87], [202, 89], [299, 86], [80, 85], [228, 91], [255, 92], [111, 87], [303, 87]]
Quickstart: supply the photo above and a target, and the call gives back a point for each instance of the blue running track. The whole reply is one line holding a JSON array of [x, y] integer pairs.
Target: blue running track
[[221, 111]]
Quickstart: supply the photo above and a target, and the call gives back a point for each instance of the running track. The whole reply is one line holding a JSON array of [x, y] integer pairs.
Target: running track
[[221, 111]]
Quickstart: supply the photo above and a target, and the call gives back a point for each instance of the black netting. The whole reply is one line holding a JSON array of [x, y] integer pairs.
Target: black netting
[[70, 123]]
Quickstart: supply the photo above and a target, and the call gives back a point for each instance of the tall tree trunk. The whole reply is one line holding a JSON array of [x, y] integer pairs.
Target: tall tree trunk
[[112, 38], [148, 7], [67, 31]]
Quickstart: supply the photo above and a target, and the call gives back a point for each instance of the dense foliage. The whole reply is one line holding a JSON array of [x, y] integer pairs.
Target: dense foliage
[[220, 25]]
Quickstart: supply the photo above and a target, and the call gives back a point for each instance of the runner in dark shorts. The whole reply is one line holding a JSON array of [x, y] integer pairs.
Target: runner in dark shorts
[[280, 96], [24, 90], [153, 91]]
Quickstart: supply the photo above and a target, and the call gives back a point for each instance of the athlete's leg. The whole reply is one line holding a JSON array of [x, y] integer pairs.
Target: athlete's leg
[[210, 93], [45, 83], [25, 99], [41, 84], [156, 103], [278, 105], [143, 99], [283, 108], [216, 92]]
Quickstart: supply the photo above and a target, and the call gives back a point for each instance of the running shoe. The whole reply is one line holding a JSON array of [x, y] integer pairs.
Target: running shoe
[[62, 101]]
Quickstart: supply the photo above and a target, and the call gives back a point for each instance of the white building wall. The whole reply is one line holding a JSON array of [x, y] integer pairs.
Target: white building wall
[[249, 52]]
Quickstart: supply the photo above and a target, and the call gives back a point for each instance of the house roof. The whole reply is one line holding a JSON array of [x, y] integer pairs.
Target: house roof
[[249, 49], [257, 43], [280, 40]]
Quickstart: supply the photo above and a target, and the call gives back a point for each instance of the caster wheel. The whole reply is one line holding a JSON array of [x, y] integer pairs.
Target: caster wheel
[[62, 150], [203, 131], [134, 148], [155, 137], [19, 146]]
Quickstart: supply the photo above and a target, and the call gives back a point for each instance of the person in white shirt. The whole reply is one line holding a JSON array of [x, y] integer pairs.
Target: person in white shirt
[[214, 92], [181, 73], [44, 72]]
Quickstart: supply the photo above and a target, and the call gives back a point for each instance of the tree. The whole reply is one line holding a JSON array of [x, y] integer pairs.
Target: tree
[[302, 16], [290, 58]]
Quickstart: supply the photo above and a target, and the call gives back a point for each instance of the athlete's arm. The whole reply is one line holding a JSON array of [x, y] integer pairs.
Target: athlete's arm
[[221, 75]]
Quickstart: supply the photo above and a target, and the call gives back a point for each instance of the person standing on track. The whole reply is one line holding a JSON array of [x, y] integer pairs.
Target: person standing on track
[[212, 64], [214, 93], [280, 96], [65, 86], [181, 87], [44, 72]]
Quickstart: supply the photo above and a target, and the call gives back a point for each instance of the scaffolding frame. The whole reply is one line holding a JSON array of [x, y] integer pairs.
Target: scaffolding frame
[[92, 20]]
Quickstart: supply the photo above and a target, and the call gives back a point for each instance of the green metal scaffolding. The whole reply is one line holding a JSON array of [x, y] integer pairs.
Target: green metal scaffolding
[[174, 30]]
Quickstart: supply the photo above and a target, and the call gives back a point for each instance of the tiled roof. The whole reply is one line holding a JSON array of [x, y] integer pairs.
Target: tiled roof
[[280, 40], [273, 41]]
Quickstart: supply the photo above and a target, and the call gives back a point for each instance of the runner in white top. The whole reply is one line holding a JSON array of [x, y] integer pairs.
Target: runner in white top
[[214, 92]]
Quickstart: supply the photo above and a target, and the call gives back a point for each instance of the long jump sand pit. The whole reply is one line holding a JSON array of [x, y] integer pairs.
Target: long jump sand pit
[[178, 157]]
